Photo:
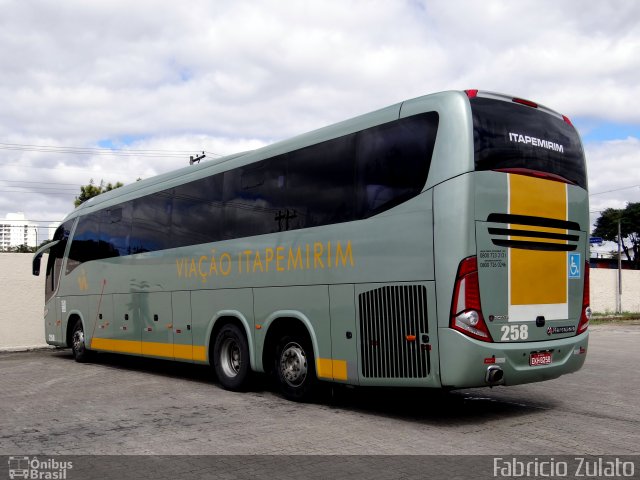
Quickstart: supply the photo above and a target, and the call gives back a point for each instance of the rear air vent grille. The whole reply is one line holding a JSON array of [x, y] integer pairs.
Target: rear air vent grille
[[516, 235], [394, 341], [532, 221]]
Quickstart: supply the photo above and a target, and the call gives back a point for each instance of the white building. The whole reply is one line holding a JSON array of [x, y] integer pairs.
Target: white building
[[15, 230]]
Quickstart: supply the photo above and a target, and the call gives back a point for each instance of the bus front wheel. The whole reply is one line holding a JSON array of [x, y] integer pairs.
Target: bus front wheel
[[295, 368], [231, 358], [78, 346]]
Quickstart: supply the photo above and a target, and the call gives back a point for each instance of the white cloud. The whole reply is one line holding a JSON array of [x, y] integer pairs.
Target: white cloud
[[226, 76], [614, 173]]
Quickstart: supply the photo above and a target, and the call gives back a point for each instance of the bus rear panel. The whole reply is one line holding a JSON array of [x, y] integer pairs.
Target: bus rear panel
[[520, 303]]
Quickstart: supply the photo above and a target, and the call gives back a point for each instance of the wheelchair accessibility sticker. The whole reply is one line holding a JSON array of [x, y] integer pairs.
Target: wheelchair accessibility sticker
[[574, 265]]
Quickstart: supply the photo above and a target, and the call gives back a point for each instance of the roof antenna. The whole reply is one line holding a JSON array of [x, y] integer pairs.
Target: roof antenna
[[197, 159]]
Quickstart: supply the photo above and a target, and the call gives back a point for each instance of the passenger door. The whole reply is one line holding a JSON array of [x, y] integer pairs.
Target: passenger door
[[156, 320]]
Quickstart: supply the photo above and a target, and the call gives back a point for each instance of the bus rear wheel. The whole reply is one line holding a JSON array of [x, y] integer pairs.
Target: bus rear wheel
[[78, 346], [295, 368], [231, 358]]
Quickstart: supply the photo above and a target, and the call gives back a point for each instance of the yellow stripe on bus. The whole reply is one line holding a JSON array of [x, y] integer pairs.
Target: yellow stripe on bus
[[156, 349], [331, 369], [326, 367], [537, 277], [121, 346]]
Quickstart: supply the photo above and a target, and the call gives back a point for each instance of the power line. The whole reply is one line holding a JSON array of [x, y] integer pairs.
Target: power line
[[45, 183], [35, 192], [91, 150], [23, 188], [33, 221], [67, 167], [126, 152], [214, 154], [614, 190], [43, 189]]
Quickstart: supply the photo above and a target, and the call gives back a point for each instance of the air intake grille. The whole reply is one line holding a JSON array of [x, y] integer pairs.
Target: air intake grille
[[393, 332], [524, 232]]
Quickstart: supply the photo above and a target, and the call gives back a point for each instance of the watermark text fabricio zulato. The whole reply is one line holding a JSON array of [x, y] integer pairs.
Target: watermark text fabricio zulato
[[564, 467]]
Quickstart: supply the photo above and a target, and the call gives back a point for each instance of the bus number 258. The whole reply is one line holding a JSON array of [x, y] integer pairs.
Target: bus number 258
[[514, 332]]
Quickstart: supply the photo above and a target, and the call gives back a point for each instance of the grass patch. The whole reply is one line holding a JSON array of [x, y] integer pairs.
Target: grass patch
[[600, 318]]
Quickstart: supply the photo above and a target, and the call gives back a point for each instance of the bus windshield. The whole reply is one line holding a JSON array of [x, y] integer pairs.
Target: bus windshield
[[511, 136]]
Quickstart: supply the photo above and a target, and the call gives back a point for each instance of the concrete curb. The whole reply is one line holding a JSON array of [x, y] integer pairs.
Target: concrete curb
[[28, 348]]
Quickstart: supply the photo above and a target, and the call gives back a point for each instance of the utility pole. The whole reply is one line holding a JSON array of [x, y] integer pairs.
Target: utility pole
[[196, 159], [619, 299]]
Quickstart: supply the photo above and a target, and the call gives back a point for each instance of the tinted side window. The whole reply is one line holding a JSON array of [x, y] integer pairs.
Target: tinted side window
[[321, 183], [197, 214], [253, 196], [340, 180], [86, 241], [115, 230], [393, 162], [151, 223]]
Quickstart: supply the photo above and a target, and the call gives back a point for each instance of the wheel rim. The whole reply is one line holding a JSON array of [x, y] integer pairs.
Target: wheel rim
[[293, 364], [230, 358], [78, 340]]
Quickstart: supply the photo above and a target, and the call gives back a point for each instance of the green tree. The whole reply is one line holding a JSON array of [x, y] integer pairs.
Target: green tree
[[24, 248], [91, 190], [607, 228]]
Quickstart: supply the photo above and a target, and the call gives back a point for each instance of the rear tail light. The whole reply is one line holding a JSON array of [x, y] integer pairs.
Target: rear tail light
[[466, 312], [567, 120], [585, 313], [471, 93]]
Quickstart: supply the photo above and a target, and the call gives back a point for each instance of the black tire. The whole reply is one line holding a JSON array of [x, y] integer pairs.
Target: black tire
[[231, 359], [78, 347], [295, 368]]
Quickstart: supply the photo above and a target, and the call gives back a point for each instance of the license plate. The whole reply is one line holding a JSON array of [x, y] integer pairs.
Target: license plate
[[540, 358]]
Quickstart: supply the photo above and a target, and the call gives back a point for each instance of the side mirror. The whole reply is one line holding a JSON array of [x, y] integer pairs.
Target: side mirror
[[35, 268], [36, 264]]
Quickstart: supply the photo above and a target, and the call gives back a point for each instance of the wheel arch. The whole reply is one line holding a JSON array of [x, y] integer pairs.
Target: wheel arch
[[219, 320], [277, 324], [73, 317]]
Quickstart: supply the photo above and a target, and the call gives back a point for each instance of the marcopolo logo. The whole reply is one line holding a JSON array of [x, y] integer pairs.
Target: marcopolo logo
[[33, 468], [559, 330]]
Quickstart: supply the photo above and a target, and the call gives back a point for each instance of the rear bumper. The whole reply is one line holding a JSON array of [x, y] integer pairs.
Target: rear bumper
[[464, 361]]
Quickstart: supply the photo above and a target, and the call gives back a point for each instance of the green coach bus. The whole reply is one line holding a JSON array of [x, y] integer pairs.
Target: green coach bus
[[439, 242]]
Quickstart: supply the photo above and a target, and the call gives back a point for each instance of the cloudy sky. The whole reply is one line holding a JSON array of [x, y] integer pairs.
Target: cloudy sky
[[117, 90]]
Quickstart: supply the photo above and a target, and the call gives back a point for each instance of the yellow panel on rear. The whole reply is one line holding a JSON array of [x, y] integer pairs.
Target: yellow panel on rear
[[537, 277]]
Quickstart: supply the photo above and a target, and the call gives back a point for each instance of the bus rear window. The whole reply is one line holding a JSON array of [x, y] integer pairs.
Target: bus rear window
[[511, 136]]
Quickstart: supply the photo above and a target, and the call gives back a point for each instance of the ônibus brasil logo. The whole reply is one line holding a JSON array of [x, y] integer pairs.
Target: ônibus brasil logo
[[33, 468]]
